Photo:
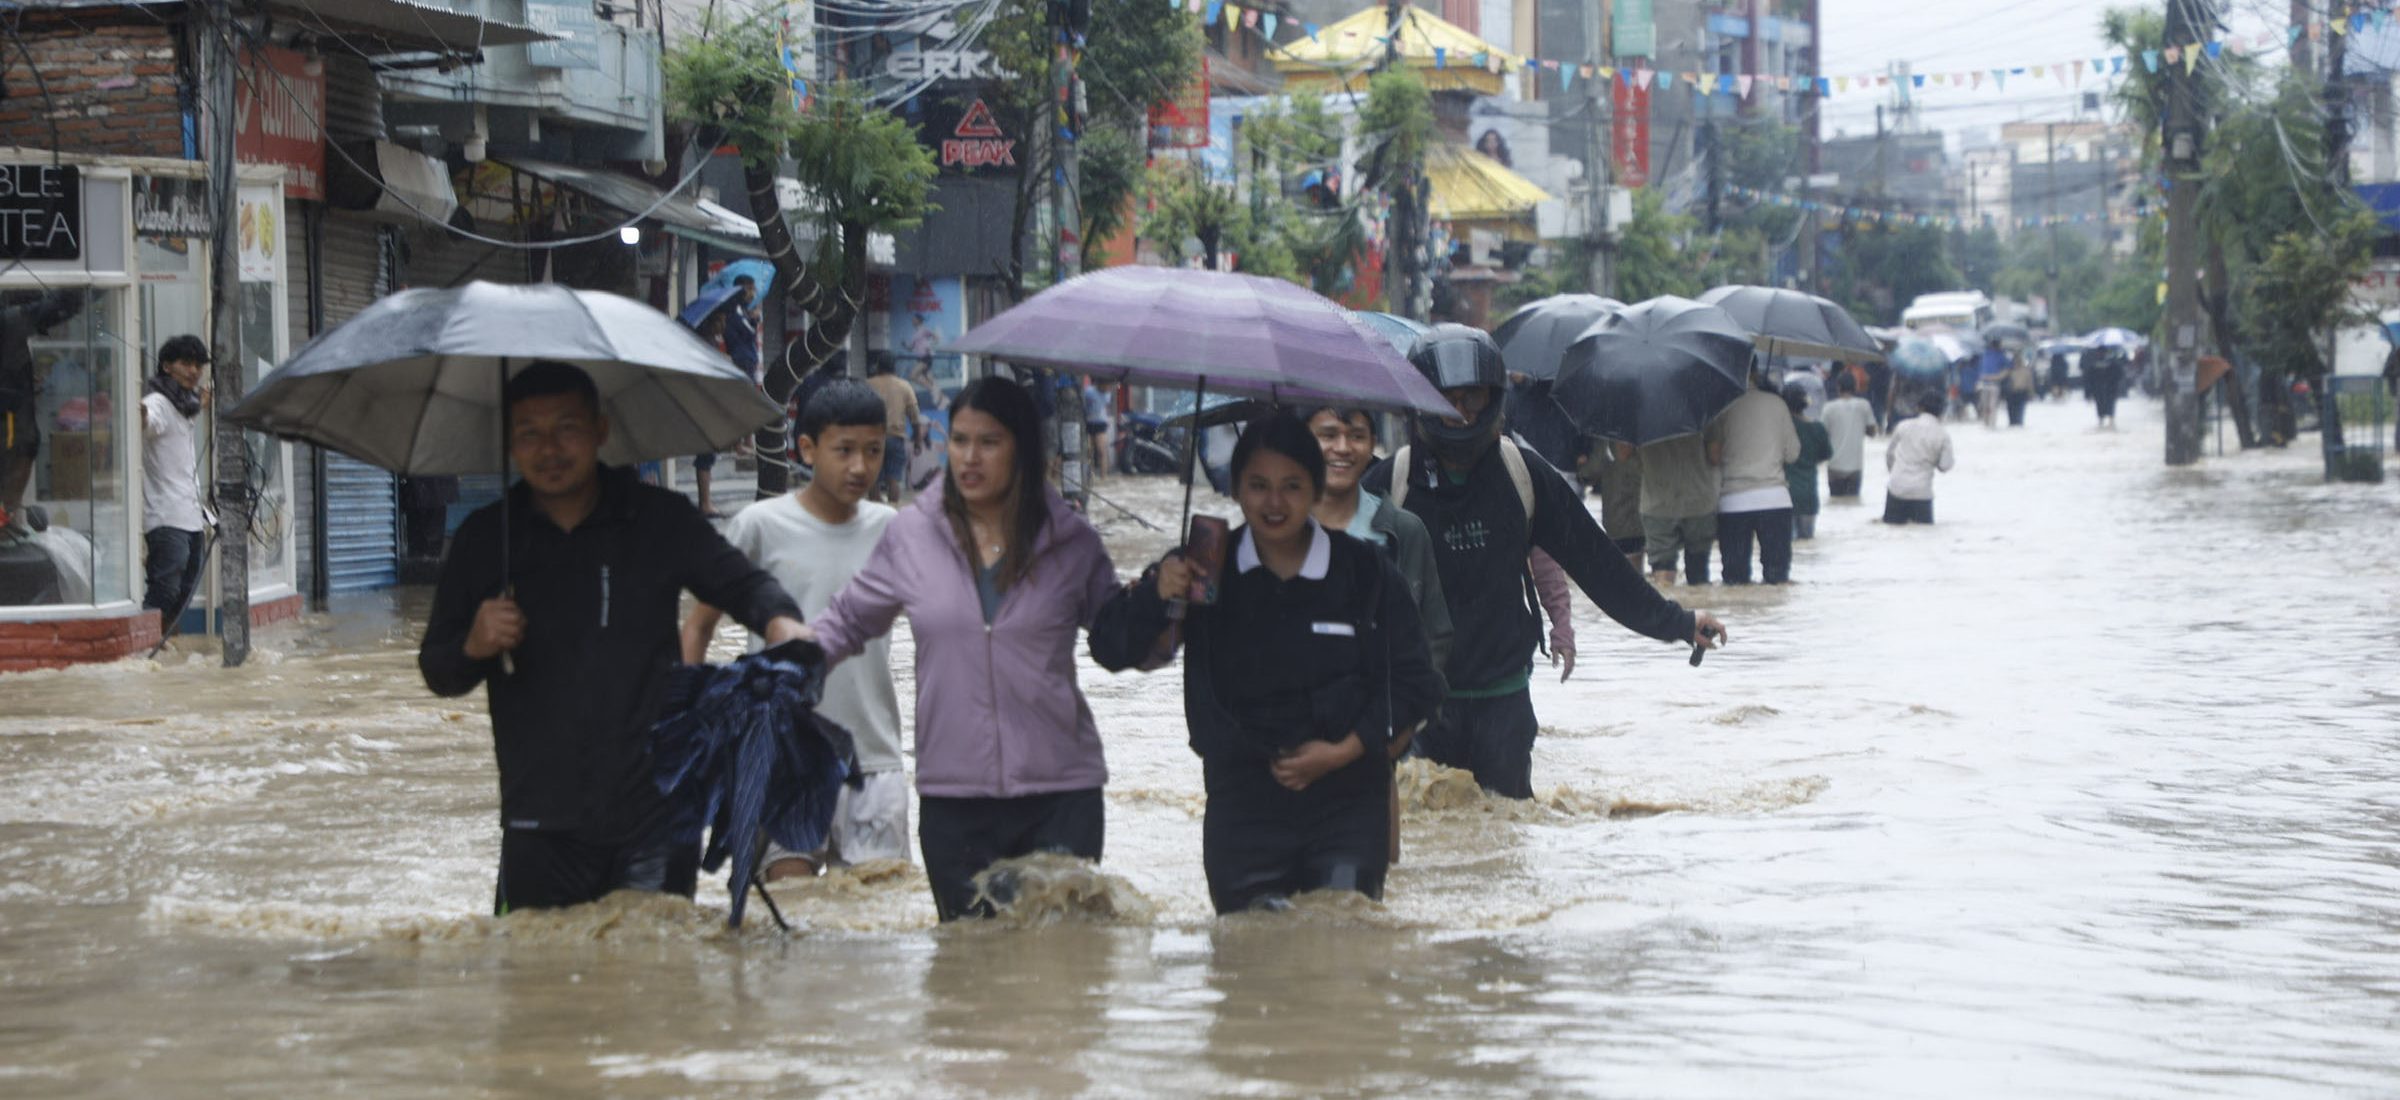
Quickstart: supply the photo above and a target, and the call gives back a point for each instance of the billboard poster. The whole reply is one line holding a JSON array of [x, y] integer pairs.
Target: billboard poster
[[927, 315], [1635, 33]]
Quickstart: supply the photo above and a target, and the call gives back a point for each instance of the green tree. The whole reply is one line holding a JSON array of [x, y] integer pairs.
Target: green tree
[[1135, 54], [1398, 127], [862, 168]]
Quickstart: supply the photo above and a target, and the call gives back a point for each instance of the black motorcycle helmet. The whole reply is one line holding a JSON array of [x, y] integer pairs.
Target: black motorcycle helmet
[[1451, 356]]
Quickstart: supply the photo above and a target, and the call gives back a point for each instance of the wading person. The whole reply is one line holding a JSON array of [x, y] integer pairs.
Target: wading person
[[1801, 473], [1294, 680], [1919, 448], [1849, 420], [587, 614], [903, 425], [1346, 438], [1754, 497], [996, 575], [1488, 504], [174, 523], [813, 541], [1679, 505]]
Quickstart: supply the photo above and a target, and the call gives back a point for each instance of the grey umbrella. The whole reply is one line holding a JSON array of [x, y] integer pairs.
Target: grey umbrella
[[2008, 333], [412, 384], [1534, 338], [1661, 369], [1795, 324]]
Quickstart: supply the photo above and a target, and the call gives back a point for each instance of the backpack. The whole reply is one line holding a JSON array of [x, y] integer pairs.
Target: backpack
[[1512, 458]]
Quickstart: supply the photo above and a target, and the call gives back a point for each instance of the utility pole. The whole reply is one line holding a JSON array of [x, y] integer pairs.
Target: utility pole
[[1404, 259], [1068, 21], [2050, 184], [1879, 157], [2184, 132], [217, 97], [1601, 169], [1712, 137], [1811, 278], [2337, 170]]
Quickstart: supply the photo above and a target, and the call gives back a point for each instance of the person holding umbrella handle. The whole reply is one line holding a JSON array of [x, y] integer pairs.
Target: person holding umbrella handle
[[1488, 504]]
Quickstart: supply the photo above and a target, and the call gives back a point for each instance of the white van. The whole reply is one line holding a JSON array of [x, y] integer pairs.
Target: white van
[[1965, 310]]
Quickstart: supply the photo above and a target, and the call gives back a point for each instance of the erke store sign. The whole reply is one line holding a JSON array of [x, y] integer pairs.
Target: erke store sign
[[41, 212]]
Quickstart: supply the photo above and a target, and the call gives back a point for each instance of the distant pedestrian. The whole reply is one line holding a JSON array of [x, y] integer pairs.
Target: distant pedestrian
[[1099, 413], [1679, 505], [741, 326], [2060, 368], [1849, 420], [1919, 448], [704, 466], [903, 424], [1989, 371], [1801, 473], [174, 521], [2016, 389], [2104, 382], [1619, 478], [1754, 501]]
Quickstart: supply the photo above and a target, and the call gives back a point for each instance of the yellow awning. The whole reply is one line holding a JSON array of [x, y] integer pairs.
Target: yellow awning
[[1471, 187], [1441, 53]]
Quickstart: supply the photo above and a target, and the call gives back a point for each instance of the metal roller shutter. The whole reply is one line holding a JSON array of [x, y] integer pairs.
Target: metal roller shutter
[[362, 502]]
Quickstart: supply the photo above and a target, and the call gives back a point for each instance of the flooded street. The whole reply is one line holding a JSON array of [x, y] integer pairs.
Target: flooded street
[[2089, 790]]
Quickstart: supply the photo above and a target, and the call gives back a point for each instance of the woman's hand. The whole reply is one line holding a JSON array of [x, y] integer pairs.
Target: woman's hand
[[1174, 578], [784, 628], [1315, 760]]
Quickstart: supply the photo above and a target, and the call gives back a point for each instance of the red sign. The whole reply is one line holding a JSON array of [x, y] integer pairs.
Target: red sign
[[977, 141], [1630, 103], [1182, 122], [278, 118]]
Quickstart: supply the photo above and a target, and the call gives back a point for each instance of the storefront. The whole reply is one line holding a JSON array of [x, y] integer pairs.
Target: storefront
[[88, 292]]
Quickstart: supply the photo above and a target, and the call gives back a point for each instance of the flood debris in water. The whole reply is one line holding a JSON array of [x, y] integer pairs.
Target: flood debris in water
[[1430, 789], [627, 916], [1048, 888]]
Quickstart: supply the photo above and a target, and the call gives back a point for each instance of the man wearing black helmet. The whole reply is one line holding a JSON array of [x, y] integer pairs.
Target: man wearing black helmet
[[1488, 504]]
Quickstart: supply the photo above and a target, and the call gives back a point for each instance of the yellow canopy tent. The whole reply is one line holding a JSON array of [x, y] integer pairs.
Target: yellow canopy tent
[[1441, 54], [1473, 190]]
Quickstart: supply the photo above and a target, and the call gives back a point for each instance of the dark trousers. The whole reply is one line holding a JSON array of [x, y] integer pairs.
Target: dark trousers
[[959, 837], [1493, 738], [1896, 510], [1260, 843], [2016, 408], [1840, 484], [171, 566], [550, 870], [1773, 530]]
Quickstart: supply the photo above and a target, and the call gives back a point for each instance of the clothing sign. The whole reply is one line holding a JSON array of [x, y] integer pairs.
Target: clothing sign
[[928, 314], [41, 212], [965, 135], [1630, 124], [278, 118], [1636, 31], [170, 208]]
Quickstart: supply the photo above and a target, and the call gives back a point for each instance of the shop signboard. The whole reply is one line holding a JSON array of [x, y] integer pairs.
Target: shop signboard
[[574, 31], [41, 212], [927, 315], [169, 208], [1630, 139], [278, 118], [965, 136]]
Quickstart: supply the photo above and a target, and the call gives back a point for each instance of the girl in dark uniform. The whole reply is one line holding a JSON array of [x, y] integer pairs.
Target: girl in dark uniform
[[1294, 680]]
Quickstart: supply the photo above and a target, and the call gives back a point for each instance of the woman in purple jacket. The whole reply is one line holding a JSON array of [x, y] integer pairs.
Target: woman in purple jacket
[[996, 575]]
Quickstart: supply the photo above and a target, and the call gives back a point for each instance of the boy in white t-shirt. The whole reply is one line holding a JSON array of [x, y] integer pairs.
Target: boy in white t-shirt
[[812, 542]]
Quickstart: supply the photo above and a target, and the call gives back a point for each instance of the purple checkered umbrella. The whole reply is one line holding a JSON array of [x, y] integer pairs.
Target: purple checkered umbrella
[[1239, 335]]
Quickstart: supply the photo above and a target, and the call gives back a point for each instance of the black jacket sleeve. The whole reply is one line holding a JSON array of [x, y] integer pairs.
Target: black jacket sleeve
[[721, 576], [1569, 534], [1403, 685], [470, 575], [1128, 625]]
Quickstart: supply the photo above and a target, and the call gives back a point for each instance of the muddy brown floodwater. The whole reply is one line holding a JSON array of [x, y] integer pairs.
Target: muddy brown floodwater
[[2090, 790]]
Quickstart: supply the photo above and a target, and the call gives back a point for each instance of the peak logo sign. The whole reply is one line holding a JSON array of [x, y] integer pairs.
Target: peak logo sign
[[977, 142]]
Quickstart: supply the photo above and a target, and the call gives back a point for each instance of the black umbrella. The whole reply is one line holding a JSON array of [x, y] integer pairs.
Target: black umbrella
[[1796, 324], [1536, 419], [1659, 370], [743, 755], [1533, 338]]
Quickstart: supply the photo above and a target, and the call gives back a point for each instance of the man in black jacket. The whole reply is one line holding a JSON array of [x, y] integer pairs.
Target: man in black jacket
[[1487, 511], [596, 566]]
